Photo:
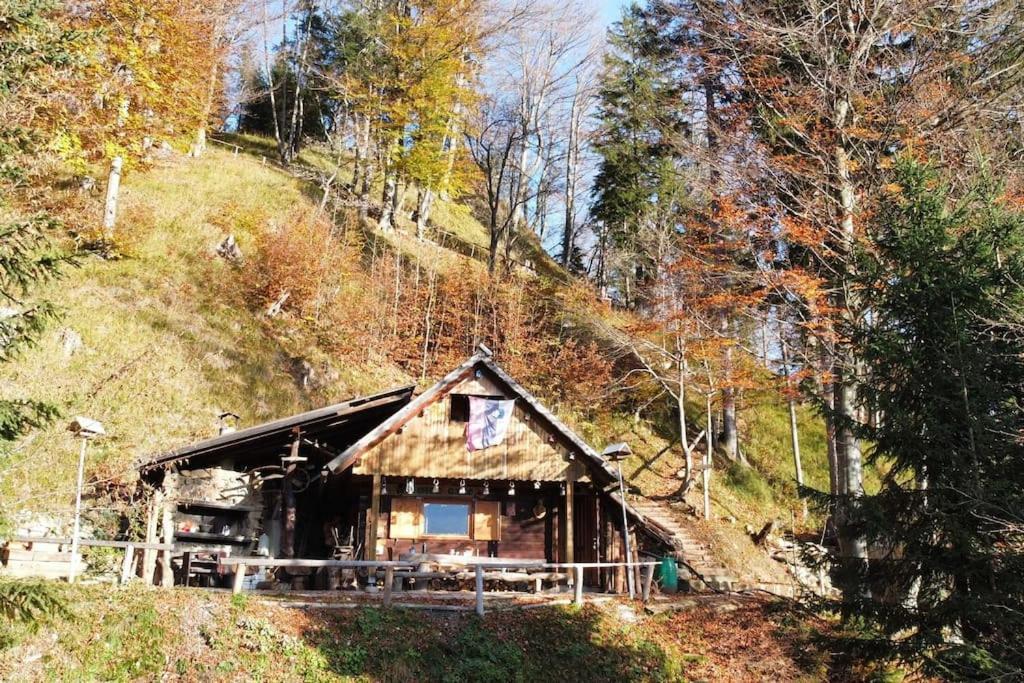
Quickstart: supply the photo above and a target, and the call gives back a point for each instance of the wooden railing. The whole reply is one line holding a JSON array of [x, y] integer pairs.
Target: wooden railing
[[129, 548], [478, 567]]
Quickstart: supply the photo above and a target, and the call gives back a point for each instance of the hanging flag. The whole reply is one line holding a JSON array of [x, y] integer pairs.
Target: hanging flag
[[488, 422]]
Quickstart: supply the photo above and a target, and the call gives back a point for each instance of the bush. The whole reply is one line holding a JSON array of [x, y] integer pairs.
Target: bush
[[748, 483]]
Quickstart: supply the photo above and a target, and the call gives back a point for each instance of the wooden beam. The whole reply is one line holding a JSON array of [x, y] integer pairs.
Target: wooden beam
[[288, 506], [372, 519], [569, 503], [148, 554], [126, 565], [166, 575], [479, 591], [239, 578]]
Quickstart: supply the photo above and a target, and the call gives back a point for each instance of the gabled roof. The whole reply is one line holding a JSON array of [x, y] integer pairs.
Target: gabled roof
[[481, 361], [343, 421], [606, 475]]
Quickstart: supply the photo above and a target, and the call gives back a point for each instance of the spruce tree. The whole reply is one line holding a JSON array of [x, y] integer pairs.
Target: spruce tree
[[32, 49], [638, 180], [945, 375]]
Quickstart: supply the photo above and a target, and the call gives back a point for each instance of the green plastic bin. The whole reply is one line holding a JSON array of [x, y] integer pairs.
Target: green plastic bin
[[668, 575]]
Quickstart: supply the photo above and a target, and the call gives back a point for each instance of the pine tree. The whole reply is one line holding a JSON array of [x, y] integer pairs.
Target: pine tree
[[32, 48], [947, 379], [638, 182]]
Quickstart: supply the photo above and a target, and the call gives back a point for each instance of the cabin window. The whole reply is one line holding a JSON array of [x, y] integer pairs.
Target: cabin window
[[460, 408], [446, 519]]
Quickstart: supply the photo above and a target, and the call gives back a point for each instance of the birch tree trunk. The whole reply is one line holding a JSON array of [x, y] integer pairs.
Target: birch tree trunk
[[387, 209], [270, 83], [794, 433], [113, 190], [199, 146], [571, 164], [424, 203]]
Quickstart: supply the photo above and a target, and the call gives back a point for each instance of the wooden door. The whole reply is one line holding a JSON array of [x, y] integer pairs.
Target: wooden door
[[586, 535]]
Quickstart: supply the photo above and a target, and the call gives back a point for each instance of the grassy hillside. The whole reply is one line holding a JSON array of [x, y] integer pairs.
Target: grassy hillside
[[187, 635], [168, 338], [172, 335]]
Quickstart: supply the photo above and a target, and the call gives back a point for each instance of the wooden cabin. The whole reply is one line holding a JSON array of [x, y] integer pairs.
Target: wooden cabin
[[387, 475]]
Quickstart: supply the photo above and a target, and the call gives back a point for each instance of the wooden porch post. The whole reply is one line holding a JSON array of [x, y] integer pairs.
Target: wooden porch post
[[372, 518], [166, 575], [288, 503], [570, 480], [148, 554]]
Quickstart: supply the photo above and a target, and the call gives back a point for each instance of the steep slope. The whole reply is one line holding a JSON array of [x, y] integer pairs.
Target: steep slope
[[161, 335], [158, 341], [190, 635]]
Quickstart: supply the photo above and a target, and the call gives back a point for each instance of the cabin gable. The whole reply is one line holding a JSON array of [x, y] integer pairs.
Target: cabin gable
[[432, 443]]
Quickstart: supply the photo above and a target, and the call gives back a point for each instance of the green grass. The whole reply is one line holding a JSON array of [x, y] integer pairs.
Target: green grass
[[133, 633], [168, 338]]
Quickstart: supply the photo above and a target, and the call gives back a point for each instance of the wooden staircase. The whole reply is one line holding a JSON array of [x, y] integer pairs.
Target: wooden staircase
[[704, 571]]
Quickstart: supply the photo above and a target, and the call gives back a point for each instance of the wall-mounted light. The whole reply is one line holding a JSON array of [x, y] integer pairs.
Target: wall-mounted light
[[511, 488], [462, 487], [437, 486], [410, 486], [561, 488], [384, 486], [536, 484], [487, 488]]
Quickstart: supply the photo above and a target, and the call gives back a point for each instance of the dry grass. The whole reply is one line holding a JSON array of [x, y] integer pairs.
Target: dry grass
[[168, 338]]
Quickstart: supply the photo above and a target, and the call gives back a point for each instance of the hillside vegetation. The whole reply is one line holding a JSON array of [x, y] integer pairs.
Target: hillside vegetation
[[172, 335], [186, 635]]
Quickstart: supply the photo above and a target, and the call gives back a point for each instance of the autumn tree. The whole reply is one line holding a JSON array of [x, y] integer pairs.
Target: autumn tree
[[831, 92]]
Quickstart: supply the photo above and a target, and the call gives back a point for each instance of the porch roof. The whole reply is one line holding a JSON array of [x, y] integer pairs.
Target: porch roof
[[338, 425]]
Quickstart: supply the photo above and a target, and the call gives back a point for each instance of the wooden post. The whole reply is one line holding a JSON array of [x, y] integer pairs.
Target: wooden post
[[570, 480], [113, 186], [166, 575], [577, 588], [706, 472], [236, 584], [389, 578], [148, 554], [186, 567], [646, 585], [372, 520], [479, 590], [126, 566], [635, 570], [288, 502]]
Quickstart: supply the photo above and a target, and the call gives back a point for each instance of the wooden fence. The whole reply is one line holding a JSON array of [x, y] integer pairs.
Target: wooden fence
[[478, 567], [129, 549]]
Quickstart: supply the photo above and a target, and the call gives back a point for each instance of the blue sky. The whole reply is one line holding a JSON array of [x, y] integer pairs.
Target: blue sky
[[611, 10]]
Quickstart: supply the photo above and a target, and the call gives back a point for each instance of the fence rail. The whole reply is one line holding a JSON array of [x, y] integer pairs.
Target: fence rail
[[478, 567], [129, 548]]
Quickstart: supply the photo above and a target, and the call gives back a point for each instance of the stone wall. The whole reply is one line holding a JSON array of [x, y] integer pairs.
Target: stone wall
[[218, 486]]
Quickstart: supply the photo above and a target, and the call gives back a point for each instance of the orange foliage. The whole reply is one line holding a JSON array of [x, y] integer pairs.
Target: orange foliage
[[425, 321]]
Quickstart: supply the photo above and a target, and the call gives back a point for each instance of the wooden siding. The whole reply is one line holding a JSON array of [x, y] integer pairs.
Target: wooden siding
[[523, 536], [431, 445]]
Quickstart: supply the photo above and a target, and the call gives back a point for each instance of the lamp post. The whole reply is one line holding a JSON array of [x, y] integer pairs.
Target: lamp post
[[619, 452], [85, 429]]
